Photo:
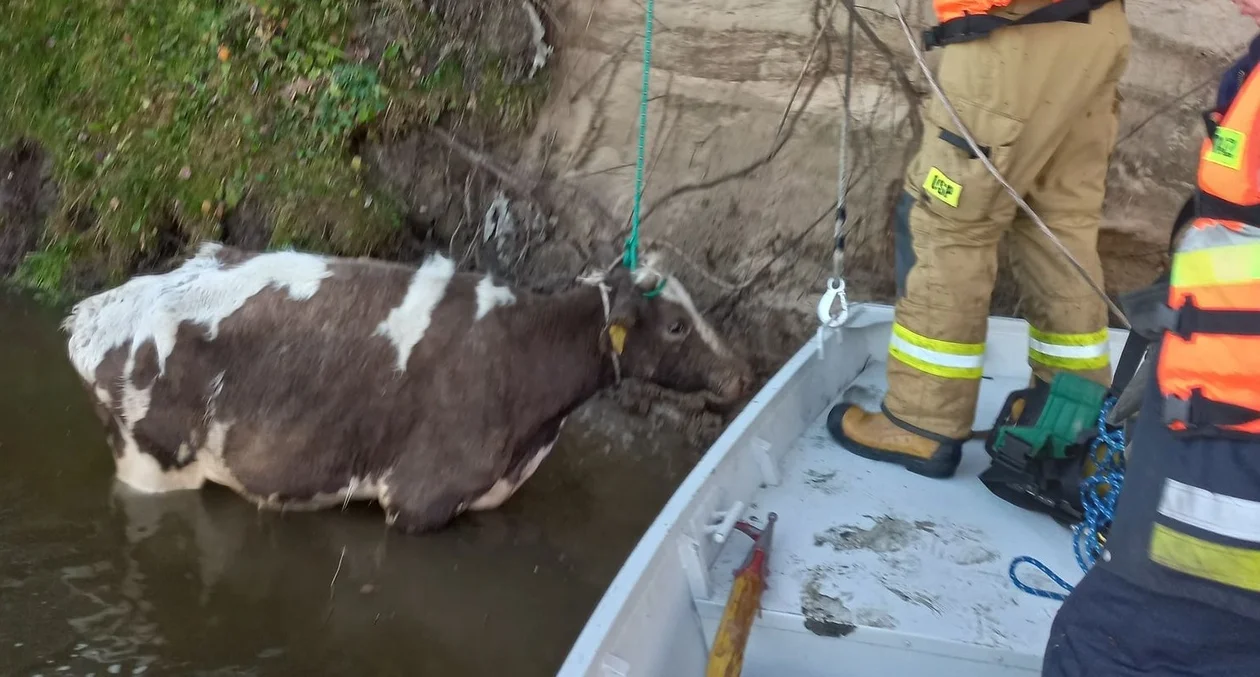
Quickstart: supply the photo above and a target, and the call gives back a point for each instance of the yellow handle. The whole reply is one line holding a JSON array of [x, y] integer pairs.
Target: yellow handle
[[727, 657]]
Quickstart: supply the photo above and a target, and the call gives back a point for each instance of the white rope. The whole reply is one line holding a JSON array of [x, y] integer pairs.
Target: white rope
[[597, 280], [616, 360], [975, 149], [842, 184], [835, 286]]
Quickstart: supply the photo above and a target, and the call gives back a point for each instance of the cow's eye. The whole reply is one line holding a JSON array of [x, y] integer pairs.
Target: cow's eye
[[677, 328]]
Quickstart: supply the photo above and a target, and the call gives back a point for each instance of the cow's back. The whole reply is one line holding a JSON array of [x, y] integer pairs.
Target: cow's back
[[206, 289], [290, 372]]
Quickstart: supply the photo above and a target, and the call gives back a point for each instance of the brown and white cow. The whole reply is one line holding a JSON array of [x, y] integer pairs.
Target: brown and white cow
[[305, 381]]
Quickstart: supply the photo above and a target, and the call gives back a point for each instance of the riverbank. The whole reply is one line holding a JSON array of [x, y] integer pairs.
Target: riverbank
[[131, 131], [389, 128]]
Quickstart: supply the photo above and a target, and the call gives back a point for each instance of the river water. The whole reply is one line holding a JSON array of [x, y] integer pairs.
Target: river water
[[97, 581]]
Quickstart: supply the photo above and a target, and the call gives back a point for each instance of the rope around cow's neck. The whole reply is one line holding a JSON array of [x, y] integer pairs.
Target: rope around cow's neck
[[604, 292]]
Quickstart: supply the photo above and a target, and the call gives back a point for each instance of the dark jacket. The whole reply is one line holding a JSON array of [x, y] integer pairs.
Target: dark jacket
[[1233, 79]]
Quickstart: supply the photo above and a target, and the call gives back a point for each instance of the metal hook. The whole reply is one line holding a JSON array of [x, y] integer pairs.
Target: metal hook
[[835, 289]]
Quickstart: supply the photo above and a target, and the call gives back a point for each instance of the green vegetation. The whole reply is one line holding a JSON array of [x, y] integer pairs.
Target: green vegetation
[[166, 114]]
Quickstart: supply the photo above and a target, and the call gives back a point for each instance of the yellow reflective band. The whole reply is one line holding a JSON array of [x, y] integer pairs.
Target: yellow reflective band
[[945, 189], [1073, 352], [936, 357], [1227, 148], [1228, 565], [1093, 338], [1216, 266], [1069, 363]]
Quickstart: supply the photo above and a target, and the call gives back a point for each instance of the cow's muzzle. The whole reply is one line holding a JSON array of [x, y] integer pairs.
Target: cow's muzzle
[[731, 388]]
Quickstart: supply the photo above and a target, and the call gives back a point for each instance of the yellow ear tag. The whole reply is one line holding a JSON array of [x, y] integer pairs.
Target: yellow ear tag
[[617, 334]]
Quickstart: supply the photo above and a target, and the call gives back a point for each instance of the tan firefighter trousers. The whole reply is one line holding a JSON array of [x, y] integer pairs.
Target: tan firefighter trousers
[[1041, 101]]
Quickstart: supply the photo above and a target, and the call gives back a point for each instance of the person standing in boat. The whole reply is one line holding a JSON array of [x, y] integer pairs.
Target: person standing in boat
[[1034, 81], [1177, 591]]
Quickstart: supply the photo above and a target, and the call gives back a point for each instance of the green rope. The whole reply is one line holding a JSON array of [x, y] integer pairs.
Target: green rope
[[631, 257]]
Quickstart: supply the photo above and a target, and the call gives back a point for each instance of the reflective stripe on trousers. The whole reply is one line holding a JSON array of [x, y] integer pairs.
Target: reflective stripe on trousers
[[946, 359], [1069, 352]]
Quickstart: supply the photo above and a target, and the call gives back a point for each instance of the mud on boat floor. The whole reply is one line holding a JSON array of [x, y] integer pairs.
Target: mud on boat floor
[[862, 547]]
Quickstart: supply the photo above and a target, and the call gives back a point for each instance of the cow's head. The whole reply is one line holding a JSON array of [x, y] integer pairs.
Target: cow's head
[[658, 336]]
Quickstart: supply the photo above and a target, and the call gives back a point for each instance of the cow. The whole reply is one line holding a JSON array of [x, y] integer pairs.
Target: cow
[[302, 381]]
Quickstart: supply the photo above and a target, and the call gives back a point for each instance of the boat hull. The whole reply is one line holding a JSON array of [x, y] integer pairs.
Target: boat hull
[[873, 568]]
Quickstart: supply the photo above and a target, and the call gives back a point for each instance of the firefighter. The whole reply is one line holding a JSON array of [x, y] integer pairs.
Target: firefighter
[[1177, 591], [1249, 8], [1034, 81]]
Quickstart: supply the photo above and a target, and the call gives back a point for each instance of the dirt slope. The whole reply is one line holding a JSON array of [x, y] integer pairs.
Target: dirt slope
[[723, 74]]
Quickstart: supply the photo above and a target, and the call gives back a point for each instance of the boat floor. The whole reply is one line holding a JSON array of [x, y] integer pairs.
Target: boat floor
[[868, 550]]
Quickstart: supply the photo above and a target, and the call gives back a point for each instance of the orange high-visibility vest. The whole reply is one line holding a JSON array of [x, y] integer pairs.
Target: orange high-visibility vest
[[952, 9], [1188, 522], [1209, 367], [966, 20]]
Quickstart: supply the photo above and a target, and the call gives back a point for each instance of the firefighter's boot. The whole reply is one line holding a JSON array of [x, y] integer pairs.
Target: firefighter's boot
[[879, 437]]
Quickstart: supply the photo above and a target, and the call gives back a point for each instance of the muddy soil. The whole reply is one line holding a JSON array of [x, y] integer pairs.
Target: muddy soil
[[27, 197]]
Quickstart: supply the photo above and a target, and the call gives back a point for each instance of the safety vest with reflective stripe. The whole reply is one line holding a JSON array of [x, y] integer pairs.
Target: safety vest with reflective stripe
[[1209, 367], [1188, 521], [1209, 371], [1189, 517]]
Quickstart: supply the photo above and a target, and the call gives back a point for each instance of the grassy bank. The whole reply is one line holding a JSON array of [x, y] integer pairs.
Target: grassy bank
[[162, 116]]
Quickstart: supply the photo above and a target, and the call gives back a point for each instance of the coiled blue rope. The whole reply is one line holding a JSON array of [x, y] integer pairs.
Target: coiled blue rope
[[1099, 510], [1048, 594]]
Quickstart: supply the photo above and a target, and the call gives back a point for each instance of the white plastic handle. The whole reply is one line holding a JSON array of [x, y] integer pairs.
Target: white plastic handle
[[726, 523]]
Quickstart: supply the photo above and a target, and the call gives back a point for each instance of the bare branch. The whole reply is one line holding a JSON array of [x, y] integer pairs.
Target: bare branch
[[484, 161], [1169, 105]]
